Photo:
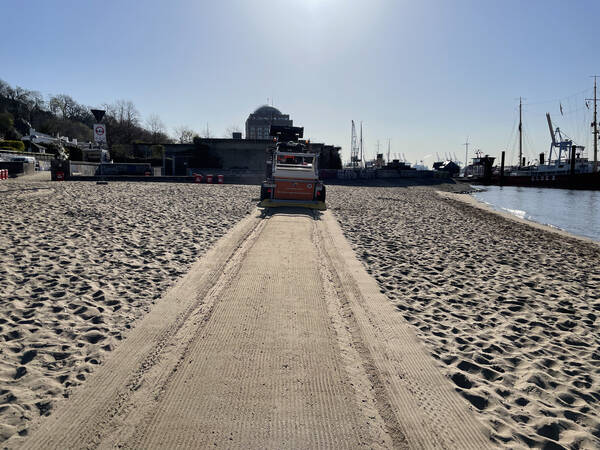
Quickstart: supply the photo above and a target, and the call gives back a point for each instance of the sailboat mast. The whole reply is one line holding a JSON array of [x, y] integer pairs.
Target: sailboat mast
[[361, 145], [466, 144], [388, 155], [520, 131], [595, 129]]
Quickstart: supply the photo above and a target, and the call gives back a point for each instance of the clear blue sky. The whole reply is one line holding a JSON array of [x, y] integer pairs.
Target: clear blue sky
[[425, 74]]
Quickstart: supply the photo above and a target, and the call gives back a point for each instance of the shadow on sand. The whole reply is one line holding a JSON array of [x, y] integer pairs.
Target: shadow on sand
[[291, 211]]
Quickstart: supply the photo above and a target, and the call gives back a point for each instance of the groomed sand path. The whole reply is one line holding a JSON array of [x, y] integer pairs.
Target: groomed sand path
[[276, 338]]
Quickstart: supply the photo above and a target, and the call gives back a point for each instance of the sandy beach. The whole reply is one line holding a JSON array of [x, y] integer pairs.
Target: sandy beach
[[509, 310], [80, 263], [276, 337], [503, 317]]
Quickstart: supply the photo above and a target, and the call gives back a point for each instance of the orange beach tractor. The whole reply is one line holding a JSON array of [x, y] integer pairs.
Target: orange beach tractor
[[292, 174]]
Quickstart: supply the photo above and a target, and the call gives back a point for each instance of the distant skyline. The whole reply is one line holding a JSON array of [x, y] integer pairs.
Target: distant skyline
[[427, 74]]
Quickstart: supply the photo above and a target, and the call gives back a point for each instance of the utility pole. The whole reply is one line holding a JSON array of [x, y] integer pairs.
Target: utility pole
[[353, 148], [466, 144], [361, 145], [388, 155], [595, 125], [520, 131]]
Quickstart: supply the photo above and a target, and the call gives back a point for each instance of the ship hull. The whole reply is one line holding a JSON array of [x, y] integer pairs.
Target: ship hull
[[588, 181]]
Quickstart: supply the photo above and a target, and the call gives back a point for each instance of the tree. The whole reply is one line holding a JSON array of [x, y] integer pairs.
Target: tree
[[124, 112], [157, 128], [6, 124], [66, 127], [4, 89], [62, 105], [184, 134], [123, 122]]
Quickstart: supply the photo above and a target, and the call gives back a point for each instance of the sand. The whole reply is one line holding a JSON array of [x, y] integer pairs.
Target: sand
[[508, 310], [276, 338], [80, 263], [102, 288]]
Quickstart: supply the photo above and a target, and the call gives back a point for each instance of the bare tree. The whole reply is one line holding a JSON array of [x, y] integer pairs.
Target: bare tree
[[5, 89], [123, 118], [156, 127], [184, 134], [37, 100], [124, 112], [230, 130], [62, 105]]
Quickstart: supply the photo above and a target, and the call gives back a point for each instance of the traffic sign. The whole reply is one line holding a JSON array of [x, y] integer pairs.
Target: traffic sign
[[99, 133]]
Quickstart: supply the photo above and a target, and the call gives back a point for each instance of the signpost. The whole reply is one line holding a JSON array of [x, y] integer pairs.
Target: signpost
[[100, 133]]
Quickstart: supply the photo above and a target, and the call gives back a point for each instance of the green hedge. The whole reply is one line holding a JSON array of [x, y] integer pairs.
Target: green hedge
[[13, 145]]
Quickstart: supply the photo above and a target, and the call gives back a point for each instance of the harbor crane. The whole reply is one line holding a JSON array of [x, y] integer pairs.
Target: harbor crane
[[563, 144]]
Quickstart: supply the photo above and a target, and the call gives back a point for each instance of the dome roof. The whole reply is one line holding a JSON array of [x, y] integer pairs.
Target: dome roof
[[267, 111]]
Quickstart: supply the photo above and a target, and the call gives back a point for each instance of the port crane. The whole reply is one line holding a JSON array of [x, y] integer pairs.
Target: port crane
[[560, 143]]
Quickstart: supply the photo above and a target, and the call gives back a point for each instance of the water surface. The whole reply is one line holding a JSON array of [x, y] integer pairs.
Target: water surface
[[575, 211]]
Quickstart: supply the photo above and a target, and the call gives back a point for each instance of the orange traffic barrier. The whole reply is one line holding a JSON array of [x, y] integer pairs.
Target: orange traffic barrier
[[209, 179], [198, 178], [60, 176], [221, 179]]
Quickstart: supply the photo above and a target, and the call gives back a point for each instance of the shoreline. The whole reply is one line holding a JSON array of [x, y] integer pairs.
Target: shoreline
[[508, 308], [472, 201], [509, 312]]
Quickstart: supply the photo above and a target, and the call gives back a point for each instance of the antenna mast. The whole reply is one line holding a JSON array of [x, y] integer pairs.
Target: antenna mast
[[466, 144], [595, 125], [520, 131], [595, 128]]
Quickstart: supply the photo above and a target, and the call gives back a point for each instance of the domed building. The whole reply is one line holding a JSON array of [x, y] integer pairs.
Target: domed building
[[259, 122]]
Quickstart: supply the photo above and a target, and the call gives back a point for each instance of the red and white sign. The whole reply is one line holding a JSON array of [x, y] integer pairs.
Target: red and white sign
[[99, 133]]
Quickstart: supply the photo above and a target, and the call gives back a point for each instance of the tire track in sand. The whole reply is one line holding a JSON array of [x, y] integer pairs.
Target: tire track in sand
[[283, 341], [130, 379], [419, 405], [266, 369]]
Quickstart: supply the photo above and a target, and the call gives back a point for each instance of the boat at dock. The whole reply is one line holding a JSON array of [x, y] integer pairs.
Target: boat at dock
[[566, 165]]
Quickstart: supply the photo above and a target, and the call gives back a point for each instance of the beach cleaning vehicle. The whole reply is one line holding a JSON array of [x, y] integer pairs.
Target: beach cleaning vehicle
[[292, 173]]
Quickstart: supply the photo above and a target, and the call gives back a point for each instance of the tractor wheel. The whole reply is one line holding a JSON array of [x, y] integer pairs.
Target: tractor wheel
[[263, 193], [321, 194]]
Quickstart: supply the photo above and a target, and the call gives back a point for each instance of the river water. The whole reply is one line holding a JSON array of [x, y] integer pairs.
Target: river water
[[577, 212]]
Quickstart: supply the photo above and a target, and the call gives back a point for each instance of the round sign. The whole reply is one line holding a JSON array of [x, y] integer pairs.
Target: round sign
[[99, 130]]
